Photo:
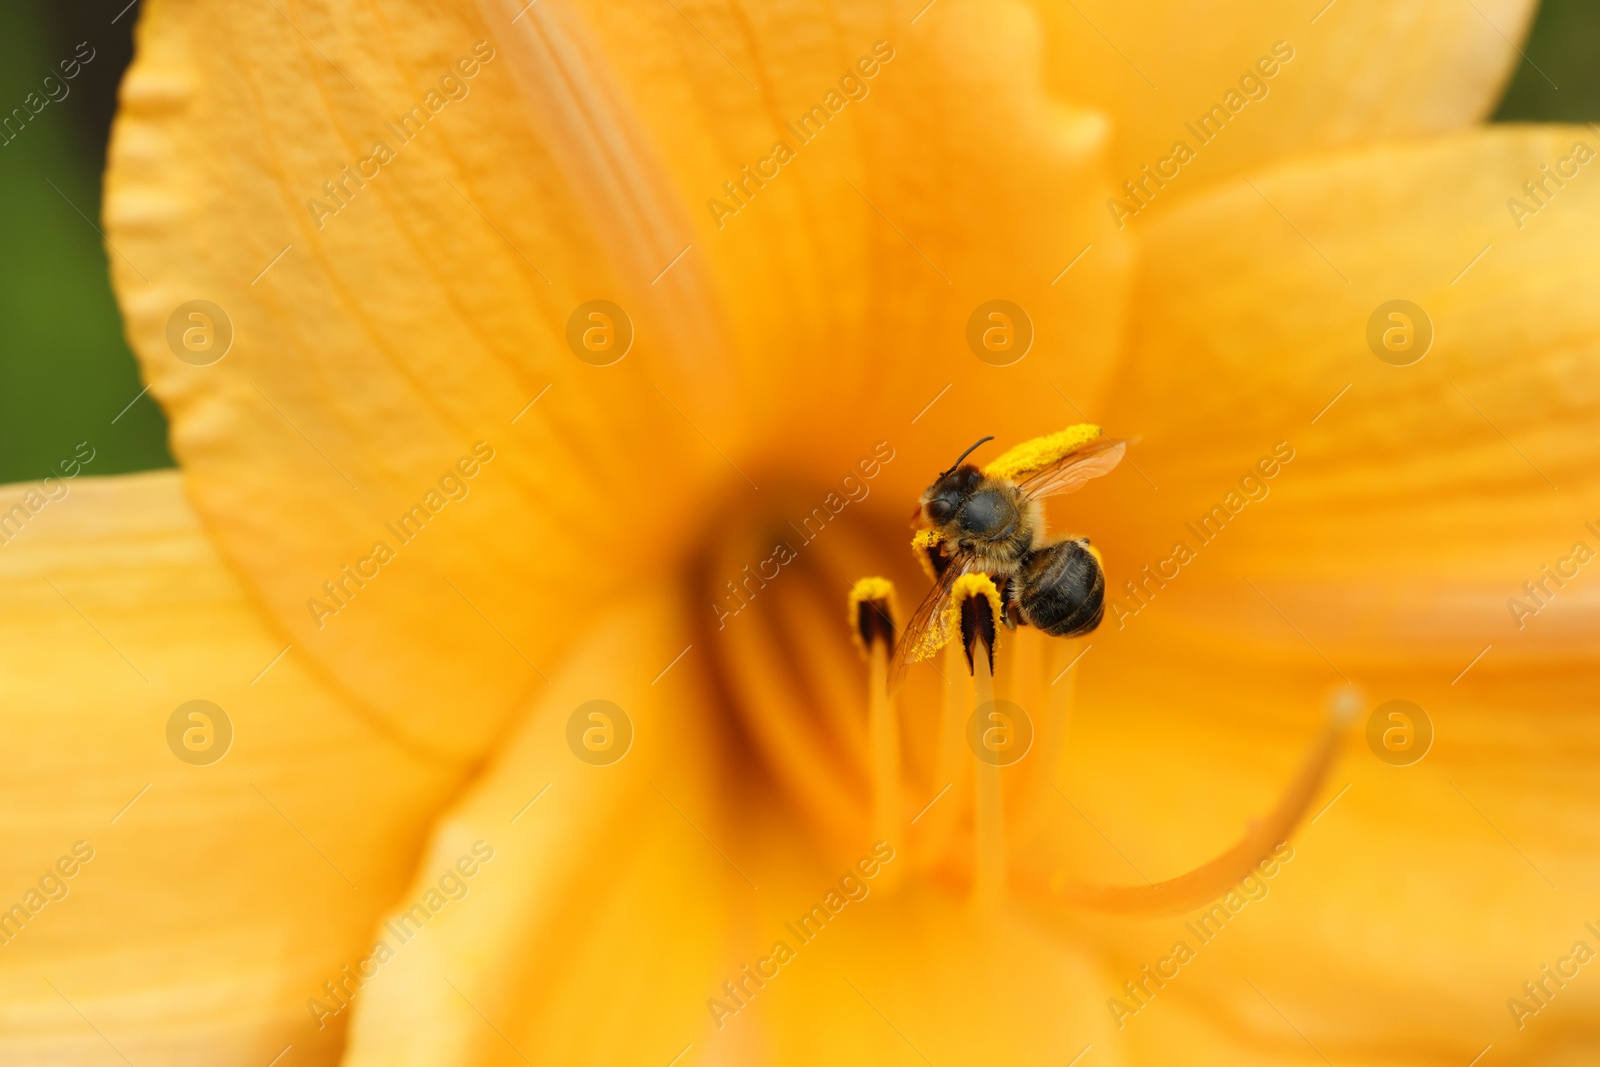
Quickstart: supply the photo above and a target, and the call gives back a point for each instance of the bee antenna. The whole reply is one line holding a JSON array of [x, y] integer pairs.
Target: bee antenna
[[967, 453]]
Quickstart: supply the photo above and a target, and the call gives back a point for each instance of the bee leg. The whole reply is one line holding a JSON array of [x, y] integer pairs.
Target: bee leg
[[1012, 615]]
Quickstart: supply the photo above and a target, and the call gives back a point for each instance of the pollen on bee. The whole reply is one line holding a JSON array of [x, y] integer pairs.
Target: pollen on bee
[[1040, 452], [928, 547], [871, 613]]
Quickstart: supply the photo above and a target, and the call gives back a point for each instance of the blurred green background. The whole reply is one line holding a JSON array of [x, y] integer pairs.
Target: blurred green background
[[65, 372]]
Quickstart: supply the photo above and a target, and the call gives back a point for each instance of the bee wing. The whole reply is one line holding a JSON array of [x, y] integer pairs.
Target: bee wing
[[928, 621], [1067, 474]]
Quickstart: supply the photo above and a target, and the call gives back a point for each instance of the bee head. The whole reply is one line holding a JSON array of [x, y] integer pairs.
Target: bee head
[[953, 486], [944, 497]]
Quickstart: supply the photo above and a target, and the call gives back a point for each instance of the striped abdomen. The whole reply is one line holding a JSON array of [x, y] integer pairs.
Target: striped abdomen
[[1061, 589]]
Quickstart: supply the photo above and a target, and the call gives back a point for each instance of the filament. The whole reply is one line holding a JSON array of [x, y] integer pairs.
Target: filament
[[989, 857], [883, 735]]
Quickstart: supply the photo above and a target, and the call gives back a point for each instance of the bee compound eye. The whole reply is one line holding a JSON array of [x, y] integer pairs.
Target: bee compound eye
[[939, 509], [982, 513]]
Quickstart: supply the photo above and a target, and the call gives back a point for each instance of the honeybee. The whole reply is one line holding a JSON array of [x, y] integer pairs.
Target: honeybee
[[977, 522]]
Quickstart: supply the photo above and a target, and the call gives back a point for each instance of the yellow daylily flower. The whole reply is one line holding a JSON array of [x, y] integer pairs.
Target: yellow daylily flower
[[548, 741]]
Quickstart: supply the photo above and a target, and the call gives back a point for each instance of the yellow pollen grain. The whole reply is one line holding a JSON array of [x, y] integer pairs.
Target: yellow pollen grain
[[923, 545], [1040, 452], [970, 585]]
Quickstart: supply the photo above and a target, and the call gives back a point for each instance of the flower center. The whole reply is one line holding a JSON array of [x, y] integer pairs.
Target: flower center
[[956, 767]]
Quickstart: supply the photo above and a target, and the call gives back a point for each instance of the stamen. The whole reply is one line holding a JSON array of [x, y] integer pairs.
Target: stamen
[[1040, 452], [872, 614], [977, 602], [989, 854], [954, 771], [1060, 687], [1019, 678]]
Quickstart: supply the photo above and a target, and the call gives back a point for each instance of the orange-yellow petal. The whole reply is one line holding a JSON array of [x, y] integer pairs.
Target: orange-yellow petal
[[1302, 77], [1370, 513], [1493, 832], [589, 840], [217, 897]]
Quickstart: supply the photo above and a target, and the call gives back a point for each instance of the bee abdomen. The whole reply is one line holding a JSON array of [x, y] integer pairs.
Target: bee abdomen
[[1061, 590]]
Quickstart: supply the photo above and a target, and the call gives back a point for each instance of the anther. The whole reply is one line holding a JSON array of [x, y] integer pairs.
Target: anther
[[1040, 452], [975, 601], [871, 604]]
